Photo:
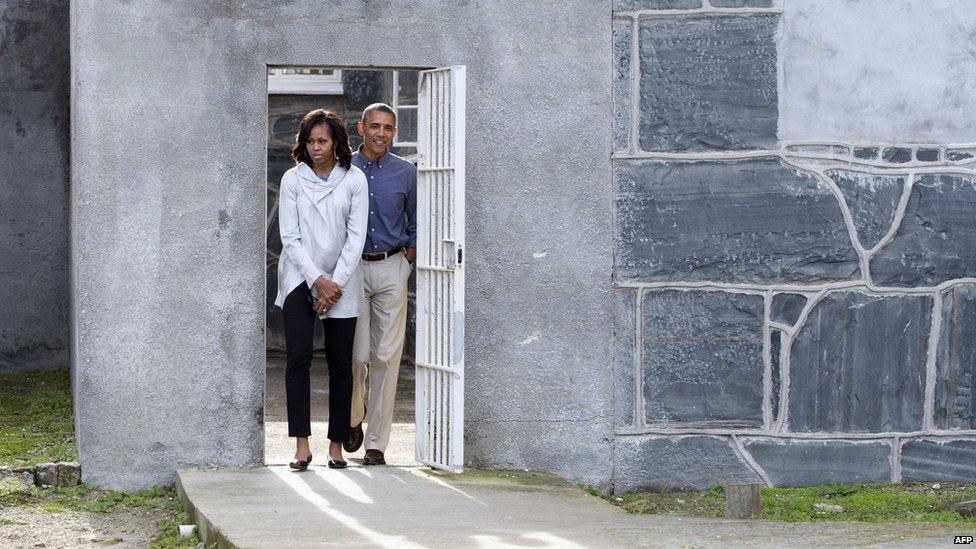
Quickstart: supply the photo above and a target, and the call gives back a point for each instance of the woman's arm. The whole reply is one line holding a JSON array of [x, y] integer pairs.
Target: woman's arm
[[352, 250], [291, 238]]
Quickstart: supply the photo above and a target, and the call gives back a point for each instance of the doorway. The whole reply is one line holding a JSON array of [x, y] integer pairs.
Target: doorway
[[293, 91]]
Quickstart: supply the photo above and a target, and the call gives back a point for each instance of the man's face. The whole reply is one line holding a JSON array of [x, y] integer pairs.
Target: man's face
[[377, 131]]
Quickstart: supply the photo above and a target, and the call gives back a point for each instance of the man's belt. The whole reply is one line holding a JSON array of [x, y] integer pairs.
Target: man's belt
[[382, 255]]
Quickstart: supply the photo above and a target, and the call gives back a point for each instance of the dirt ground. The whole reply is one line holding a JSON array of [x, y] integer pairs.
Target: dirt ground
[[32, 527]]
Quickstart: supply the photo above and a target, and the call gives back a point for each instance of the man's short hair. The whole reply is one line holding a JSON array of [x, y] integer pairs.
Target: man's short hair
[[379, 107]]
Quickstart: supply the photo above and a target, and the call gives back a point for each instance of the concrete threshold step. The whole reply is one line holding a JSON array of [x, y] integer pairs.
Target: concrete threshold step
[[411, 507], [392, 507]]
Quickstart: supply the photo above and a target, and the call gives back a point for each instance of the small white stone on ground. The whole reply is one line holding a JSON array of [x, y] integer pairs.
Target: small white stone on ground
[[187, 530], [936, 486], [828, 508]]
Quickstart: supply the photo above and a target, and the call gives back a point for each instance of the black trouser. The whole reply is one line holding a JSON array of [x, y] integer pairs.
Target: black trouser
[[299, 318]]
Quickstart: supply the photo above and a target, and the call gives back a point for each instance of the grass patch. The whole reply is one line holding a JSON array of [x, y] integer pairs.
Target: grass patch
[[86, 499], [861, 502], [591, 490], [36, 419]]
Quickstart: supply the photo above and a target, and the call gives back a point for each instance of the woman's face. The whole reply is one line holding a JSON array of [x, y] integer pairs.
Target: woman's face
[[320, 146]]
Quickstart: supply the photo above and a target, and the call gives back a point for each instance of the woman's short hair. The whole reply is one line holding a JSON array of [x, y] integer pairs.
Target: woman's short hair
[[337, 130]]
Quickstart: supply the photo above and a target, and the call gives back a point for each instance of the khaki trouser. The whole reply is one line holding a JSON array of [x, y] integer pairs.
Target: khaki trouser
[[378, 347]]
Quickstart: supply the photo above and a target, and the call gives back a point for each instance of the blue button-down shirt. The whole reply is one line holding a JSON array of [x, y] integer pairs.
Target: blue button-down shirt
[[392, 202]]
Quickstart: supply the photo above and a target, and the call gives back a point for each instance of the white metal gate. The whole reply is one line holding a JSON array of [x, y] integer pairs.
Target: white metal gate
[[440, 269]]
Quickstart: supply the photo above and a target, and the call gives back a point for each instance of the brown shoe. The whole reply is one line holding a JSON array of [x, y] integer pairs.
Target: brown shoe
[[374, 457], [355, 439]]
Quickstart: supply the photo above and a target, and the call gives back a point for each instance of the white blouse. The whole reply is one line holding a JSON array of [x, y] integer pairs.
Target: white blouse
[[323, 230]]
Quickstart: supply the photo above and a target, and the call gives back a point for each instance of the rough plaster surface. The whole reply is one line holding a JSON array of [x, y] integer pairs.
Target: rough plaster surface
[[887, 70], [626, 5], [169, 285], [34, 153], [741, 3]]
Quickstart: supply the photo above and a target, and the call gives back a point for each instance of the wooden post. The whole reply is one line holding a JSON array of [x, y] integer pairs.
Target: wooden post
[[742, 501]]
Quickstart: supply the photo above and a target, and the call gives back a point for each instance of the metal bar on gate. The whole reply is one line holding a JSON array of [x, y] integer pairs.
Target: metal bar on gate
[[437, 367]]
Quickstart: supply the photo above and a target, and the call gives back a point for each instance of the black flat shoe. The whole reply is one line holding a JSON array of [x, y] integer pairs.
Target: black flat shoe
[[300, 465], [336, 464]]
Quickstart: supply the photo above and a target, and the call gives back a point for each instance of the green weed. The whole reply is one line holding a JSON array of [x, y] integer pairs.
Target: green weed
[[861, 503], [36, 419]]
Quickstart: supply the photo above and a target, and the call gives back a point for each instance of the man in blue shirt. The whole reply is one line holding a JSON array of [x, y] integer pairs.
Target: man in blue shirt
[[390, 250]]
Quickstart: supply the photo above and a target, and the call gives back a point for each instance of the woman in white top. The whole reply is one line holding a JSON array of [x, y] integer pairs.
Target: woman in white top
[[322, 212]]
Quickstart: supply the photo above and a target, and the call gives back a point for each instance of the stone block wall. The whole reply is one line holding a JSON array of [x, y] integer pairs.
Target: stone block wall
[[787, 312]]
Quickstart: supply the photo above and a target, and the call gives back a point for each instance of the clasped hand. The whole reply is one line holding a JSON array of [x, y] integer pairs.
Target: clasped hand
[[329, 293]]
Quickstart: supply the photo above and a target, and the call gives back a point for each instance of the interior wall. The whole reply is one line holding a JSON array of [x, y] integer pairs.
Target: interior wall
[[184, 233]]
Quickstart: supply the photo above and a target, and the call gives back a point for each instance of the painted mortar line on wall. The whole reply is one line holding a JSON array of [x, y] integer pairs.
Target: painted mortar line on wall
[[896, 459], [828, 164], [785, 344], [780, 77], [845, 213], [634, 86], [732, 287], [639, 413], [946, 436], [894, 170], [861, 142], [781, 327], [746, 458], [899, 216], [845, 162], [703, 11], [786, 357], [691, 157], [767, 405], [930, 363]]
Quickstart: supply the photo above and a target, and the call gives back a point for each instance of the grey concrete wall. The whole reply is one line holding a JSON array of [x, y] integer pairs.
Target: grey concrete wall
[[34, 153], [793, 242], [168, 256]]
